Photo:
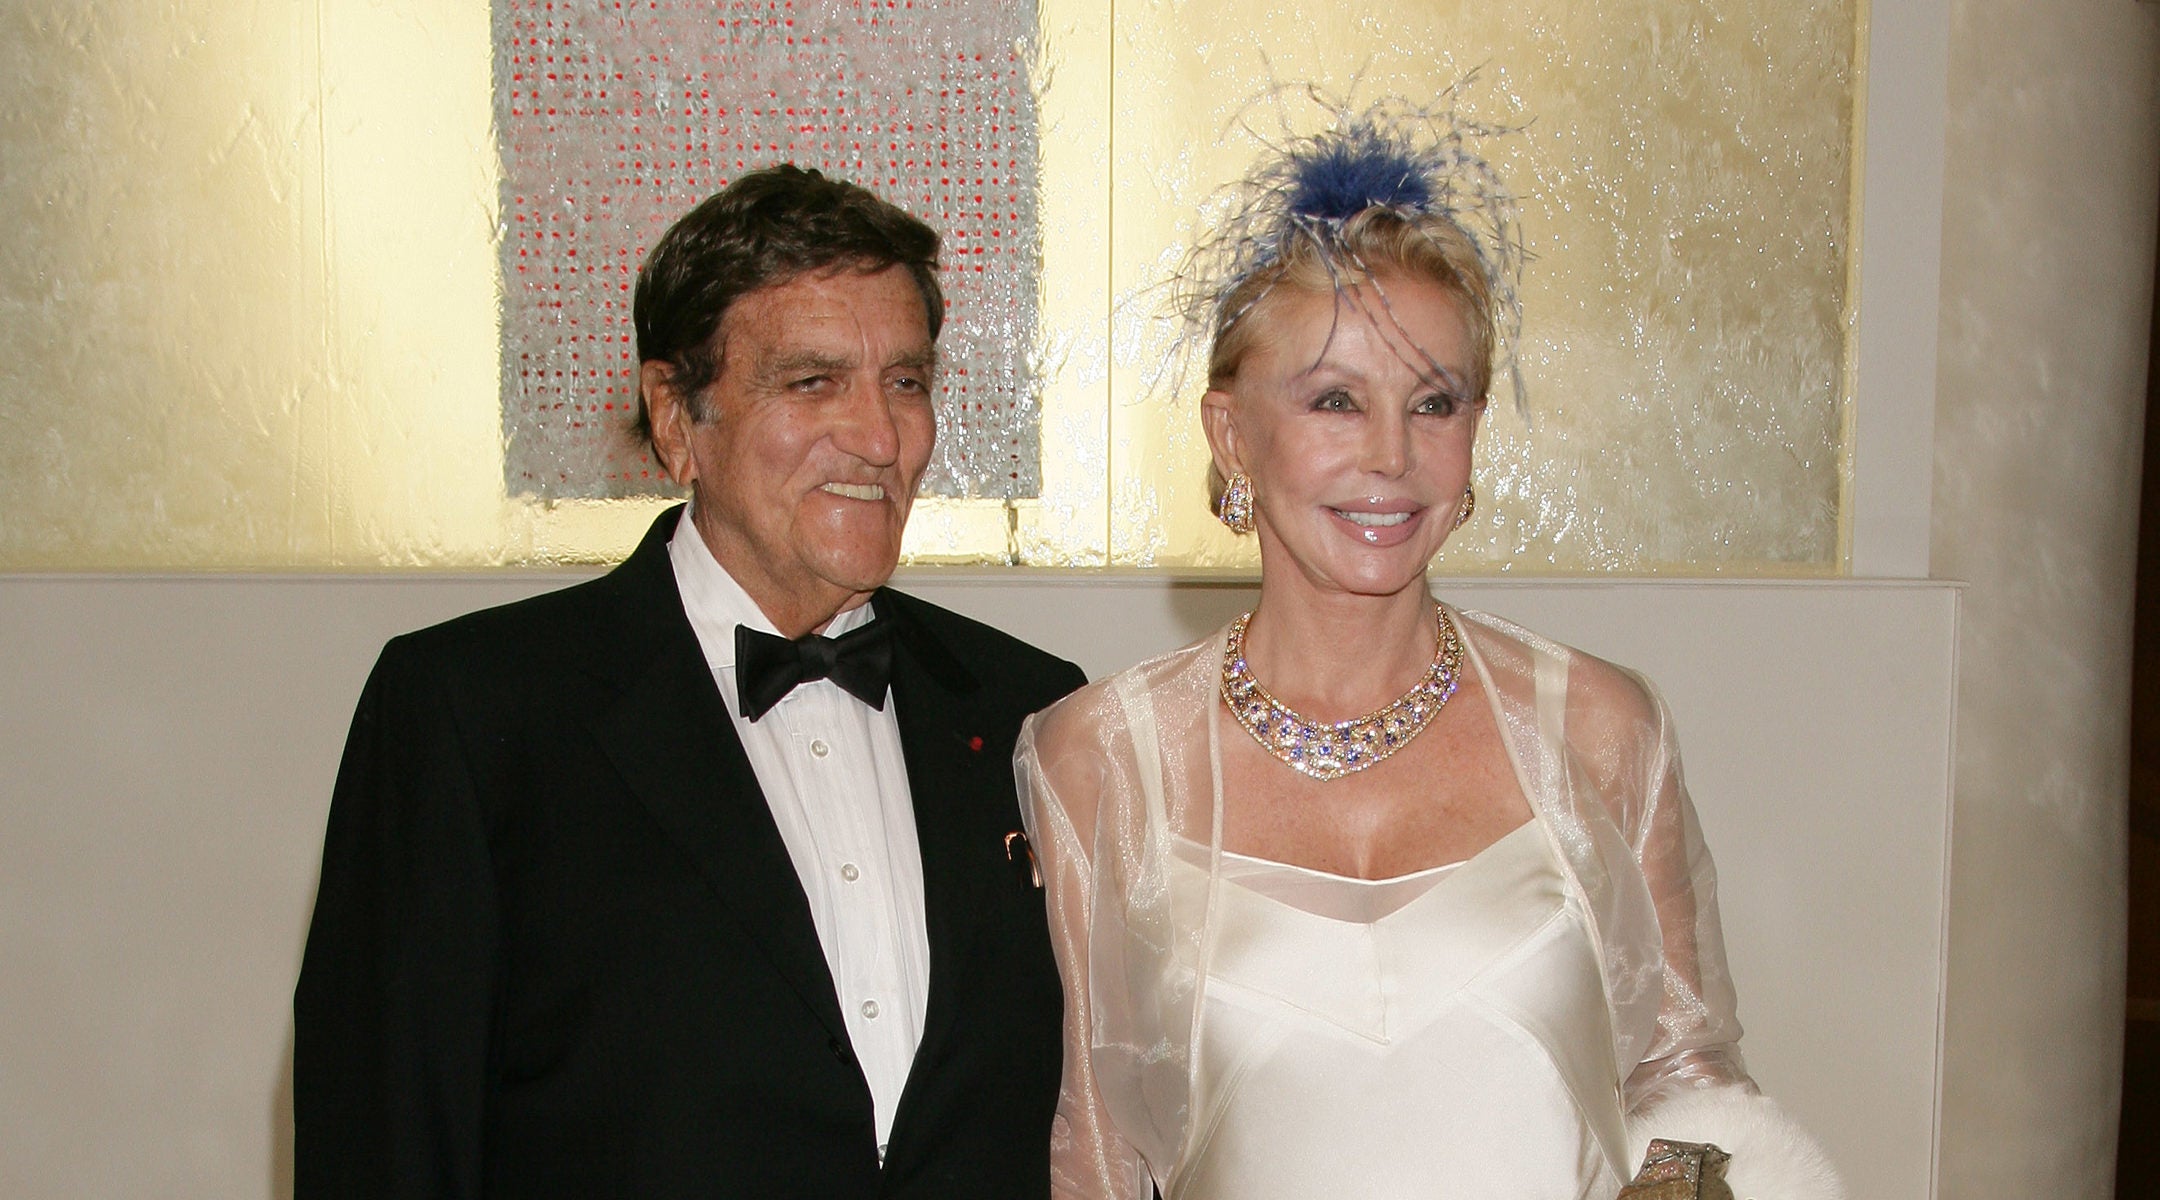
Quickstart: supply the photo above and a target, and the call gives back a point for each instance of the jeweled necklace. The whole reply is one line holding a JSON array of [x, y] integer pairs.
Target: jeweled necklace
[[1327, 751]]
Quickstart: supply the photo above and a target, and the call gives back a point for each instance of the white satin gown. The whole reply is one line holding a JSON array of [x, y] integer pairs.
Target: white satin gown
[[1417, 1035]]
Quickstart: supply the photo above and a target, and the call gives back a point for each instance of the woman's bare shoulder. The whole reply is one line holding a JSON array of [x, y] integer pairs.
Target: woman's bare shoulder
[[1599, 690], [1100, 716], [1604, 699]]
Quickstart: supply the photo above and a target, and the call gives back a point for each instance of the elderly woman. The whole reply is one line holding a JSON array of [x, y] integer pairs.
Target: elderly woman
[[1364, 894]]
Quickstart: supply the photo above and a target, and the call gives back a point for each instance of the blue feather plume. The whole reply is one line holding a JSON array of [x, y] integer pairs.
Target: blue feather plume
[[1417, 159], [1342, 177]]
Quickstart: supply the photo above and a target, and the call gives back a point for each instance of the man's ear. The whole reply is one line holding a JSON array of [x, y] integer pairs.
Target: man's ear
[[667, 410], [1221, 428]]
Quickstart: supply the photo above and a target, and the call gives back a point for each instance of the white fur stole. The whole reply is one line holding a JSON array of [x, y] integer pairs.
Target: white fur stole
[[1773, 1158]]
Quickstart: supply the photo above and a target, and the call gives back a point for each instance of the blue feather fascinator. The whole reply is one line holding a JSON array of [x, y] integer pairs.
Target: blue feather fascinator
[[1416, 159]]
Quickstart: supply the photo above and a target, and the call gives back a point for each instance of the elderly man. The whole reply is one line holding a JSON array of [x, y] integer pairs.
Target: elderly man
[[703, 879]]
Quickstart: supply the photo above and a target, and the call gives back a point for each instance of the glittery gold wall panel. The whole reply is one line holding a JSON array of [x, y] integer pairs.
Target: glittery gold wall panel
[[251, 281], [1684, 170], [612, 122], [158, 310], [247, 310]]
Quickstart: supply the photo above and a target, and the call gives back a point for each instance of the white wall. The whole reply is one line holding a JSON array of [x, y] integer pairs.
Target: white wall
[[167, 747], [2051, 175]]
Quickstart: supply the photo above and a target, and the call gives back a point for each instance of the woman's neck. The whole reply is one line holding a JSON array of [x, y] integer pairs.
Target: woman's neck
[[1333, 655]]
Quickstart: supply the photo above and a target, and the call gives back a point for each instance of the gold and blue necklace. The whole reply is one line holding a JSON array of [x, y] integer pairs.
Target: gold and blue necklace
[[1331, 750]]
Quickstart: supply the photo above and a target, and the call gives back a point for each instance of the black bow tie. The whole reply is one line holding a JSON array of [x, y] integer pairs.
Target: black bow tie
[[768, 667]]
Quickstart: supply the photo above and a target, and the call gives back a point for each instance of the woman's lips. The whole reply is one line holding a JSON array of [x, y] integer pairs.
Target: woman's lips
[[1382, 529]]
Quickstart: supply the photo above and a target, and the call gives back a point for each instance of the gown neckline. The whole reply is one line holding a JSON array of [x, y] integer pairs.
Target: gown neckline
[[1194, 856]]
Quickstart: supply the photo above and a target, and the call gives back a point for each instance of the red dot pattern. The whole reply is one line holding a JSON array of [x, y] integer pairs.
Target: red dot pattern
[[614, 117]]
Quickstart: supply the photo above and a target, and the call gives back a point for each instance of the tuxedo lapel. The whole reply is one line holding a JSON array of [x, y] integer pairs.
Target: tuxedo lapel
[[670, 737], [933, 700]]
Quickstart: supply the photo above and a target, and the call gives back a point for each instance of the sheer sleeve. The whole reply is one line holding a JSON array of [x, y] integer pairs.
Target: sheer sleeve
[[1696, 1042], [1061, 769], [1641, 856]]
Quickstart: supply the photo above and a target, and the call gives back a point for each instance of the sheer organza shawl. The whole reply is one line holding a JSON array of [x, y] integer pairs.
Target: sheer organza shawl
[[1112, 775]]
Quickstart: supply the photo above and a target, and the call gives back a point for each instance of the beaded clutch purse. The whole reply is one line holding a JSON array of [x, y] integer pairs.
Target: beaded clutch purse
[[1680, 1171]]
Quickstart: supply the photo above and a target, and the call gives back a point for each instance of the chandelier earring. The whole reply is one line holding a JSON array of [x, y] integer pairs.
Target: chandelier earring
[[1235, 510], [1469, 505]]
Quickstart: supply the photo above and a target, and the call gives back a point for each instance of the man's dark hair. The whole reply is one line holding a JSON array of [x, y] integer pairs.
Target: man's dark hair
[[766, 228]]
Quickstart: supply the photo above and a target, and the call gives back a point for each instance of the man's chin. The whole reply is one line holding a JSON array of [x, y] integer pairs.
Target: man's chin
[[860, 573]]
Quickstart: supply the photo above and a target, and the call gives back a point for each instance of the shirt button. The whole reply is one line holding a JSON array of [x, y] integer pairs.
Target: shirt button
[[869, 1010], [849, 872], [819, 749]]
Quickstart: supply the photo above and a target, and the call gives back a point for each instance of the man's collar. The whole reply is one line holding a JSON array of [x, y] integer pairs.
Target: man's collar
[[716, 603]]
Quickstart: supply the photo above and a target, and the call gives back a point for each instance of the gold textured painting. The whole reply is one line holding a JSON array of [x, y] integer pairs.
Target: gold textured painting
[[254, 317]]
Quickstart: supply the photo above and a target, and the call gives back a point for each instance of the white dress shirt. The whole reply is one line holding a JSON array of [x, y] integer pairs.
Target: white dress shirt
[[833, 773]]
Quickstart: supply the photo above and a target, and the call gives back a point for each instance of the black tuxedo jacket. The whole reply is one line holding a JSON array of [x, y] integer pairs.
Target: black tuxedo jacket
[[560, 950]]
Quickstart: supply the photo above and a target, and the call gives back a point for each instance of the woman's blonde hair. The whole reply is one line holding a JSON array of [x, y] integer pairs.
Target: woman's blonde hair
[[1378, 241]]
